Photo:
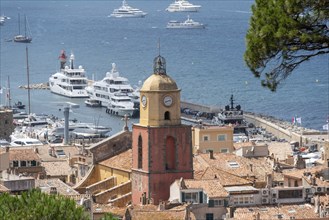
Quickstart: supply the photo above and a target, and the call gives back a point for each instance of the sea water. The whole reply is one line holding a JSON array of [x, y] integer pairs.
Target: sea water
[[207, 64]]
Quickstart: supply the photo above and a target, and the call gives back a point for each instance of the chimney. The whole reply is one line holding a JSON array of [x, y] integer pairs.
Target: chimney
[[251, 167], [7, 149], [211, 154], [313, 181]]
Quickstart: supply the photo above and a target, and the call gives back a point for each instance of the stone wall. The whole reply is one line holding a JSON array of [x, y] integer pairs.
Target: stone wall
[[100, 186], [111, 146], [6, 124], [113, 193]]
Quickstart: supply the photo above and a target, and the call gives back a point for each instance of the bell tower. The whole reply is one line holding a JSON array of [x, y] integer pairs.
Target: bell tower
[[162, 146]]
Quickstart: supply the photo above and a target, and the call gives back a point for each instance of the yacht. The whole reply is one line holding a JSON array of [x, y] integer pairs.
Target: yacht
[[112, 83], [69, 81], [126, 11], [182, 6], [189, 24], [121, 105]]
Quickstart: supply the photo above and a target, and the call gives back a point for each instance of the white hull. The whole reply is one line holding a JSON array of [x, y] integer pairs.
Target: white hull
[[81, 93], [128, 15], [186, 27], [120, 111], [192, 9]]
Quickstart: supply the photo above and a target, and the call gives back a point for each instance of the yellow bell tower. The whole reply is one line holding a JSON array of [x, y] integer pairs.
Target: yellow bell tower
[[160, 98], [161, 144]]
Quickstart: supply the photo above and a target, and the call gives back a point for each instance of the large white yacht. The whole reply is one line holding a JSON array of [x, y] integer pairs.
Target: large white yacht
[[182, 6], [112, 83], [189, 23], [69, 81], [126, 11], [121, 105]]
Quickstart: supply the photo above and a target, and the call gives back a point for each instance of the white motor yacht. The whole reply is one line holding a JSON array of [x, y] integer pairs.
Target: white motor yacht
[[126, 11], [182, 6], [189, 23], [112, 83], [121, 105], [69, 81]]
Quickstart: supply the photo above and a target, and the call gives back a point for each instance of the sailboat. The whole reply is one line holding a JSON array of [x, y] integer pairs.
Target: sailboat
[[23, 38]]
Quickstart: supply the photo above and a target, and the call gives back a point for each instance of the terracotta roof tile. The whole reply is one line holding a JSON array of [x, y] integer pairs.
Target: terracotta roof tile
[[235, 165], [151, 213], [57, 168], [121, 161], [213, 187], [23, 154], [62, 188], [303, 211]]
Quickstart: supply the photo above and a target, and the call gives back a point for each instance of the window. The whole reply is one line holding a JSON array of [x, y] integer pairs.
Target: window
[[33, 163], [191, 197], [205, 138], [246, 199], [140, 152], [170, 153], [221, 137], [15, 163], [167, 116], [287, 194], [224, 150], [233, 164], [23, 163], [218, 202], [209, 216]]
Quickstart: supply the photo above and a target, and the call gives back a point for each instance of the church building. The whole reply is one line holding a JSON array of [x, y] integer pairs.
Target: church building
[[161, 145]]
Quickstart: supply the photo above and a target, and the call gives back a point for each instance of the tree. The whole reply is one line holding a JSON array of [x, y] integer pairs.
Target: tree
[[37, 205], [283, 34]]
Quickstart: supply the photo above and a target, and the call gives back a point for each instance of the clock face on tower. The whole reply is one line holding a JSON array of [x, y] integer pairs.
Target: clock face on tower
[[144, 101], [167, 101]]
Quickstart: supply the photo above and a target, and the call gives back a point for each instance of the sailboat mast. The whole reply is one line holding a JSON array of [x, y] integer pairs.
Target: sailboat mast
[[8, 94], [28, 79], [19, 24], [25, 25]]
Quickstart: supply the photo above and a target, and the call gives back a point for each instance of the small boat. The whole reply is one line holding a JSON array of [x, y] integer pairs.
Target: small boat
[[26, 38], [93, 103], [19, 105], [126, 11], [182, 6], [25, 142], [187, 24], [69, 81]]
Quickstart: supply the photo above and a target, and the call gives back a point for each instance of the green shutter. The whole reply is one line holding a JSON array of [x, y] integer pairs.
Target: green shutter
[[211, 203], [225, 203], [200, 197], [183, 197]]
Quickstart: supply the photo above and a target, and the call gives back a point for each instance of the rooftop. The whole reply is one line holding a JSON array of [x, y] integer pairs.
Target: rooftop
[[57, 168], [122, 161], [212, 188], [304, 211], [23, 154], [62, 188]]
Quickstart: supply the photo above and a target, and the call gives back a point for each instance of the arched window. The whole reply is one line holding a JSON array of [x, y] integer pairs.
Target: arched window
[[170, 153], [140, 152], [167, 115]]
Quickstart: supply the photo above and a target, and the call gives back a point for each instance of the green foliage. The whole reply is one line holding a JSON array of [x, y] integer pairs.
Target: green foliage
[[37, 205], [108, 216], [283, 34]]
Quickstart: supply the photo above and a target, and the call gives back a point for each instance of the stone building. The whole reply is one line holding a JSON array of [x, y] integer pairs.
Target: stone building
[[6, 123]]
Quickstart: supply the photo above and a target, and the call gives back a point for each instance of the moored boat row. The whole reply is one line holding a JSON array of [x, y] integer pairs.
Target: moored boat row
[[113, 92]]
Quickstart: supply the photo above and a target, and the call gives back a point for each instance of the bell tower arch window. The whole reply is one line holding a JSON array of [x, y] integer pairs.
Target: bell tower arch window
[[140, 152], [167, 115], [170, 153]]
